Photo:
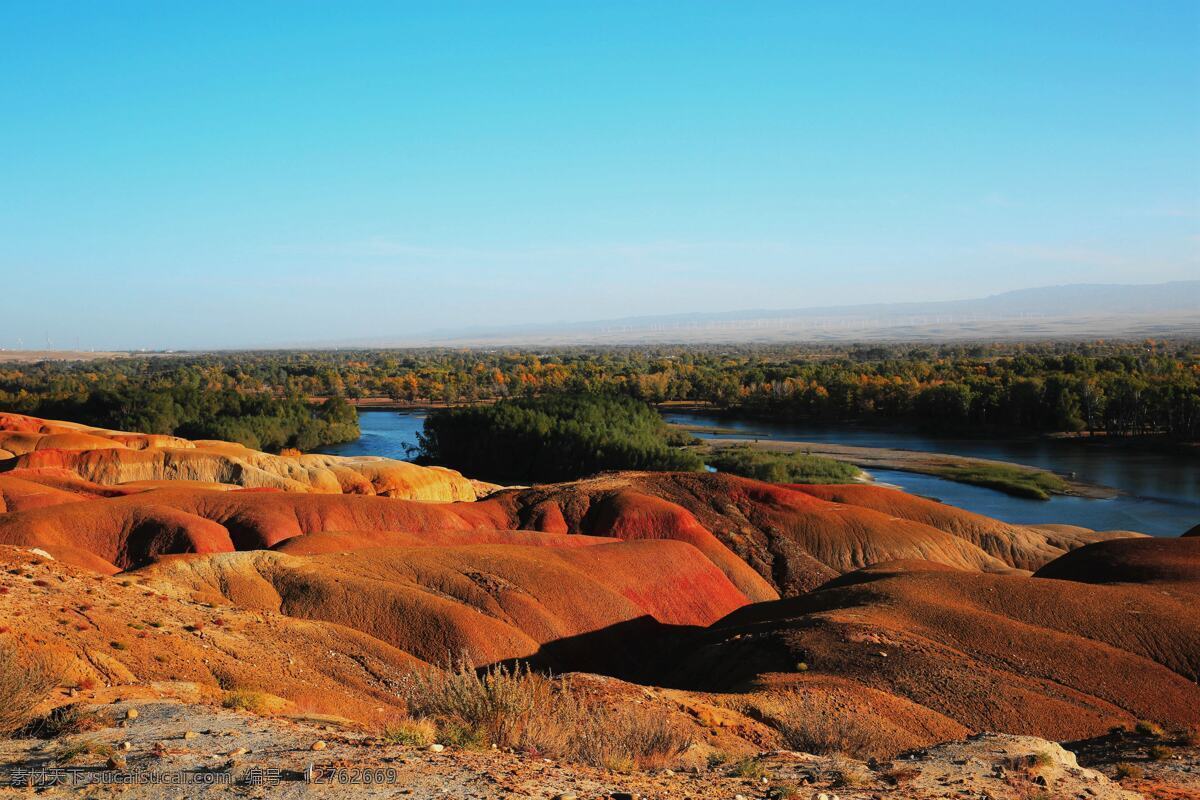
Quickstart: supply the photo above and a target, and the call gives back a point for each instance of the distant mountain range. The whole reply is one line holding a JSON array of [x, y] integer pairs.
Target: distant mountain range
[[1072, 311]]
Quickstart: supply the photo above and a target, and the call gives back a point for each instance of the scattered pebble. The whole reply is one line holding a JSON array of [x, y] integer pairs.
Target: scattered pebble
[[318, 745]]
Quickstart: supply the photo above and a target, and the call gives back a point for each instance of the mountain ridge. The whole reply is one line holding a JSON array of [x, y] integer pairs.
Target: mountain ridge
[[1067, 310]]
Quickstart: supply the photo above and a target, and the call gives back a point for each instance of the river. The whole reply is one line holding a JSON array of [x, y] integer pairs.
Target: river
[[1160, 491]]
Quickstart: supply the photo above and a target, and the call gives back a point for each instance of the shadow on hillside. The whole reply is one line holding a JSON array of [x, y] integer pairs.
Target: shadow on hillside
[[646, 651]]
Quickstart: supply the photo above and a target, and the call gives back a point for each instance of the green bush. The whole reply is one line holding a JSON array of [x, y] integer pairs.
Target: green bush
[[781, 467], [258, 419]]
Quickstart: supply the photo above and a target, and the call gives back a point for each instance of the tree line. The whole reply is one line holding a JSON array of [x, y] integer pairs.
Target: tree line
[[177, 399], [1120, 388]]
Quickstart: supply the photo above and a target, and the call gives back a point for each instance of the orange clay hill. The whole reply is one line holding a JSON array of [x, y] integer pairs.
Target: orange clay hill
[[143, 561]]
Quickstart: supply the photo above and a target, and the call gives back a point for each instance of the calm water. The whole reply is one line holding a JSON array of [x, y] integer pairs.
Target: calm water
[[384, 433], [1161, 490]]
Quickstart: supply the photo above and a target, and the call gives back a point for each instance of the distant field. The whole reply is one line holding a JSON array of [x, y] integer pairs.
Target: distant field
[[769, 329], [28, 356]]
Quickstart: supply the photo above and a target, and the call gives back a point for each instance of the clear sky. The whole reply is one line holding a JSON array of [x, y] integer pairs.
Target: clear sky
[[199, 174]]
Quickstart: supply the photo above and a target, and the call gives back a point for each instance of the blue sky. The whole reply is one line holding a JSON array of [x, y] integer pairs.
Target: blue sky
[[235, 174]]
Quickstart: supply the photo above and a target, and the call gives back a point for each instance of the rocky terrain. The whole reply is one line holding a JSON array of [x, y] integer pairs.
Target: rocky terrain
[[774, 629]]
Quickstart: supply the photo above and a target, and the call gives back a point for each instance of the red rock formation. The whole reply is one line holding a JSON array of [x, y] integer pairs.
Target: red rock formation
[[121, 458], [1023, 547], [490, 602], [1061, 658]]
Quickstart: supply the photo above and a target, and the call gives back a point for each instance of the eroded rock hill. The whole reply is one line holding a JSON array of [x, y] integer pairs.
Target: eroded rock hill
[[140, 560]]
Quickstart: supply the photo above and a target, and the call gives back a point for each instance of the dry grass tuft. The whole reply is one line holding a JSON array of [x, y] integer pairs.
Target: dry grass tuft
[[419, 732], [25, 681], [808, 728], [849, 775], [530, 712], [69, 720], [749, 768], [1148, 728], [76, 749], [1160, 752], [247, 700]]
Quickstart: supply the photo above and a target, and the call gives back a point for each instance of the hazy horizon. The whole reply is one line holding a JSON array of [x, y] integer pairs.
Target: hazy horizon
[[223, 175]]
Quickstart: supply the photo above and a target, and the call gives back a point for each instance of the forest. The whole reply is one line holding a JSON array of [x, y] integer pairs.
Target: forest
[[176, 401], [1145, 388], [552, 438]]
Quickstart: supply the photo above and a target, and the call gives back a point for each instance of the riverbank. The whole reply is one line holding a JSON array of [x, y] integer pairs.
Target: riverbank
[[1017, 479]]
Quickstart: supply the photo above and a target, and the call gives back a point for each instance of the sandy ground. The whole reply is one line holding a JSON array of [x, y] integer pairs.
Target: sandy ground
[[172, 749]]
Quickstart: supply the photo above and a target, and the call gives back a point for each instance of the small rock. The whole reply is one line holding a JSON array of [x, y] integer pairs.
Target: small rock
[[190, 735], [566, 796], [126, 745], [318, 745], [436, 748], [116, 761], [131, 714], [241, 751], [623, 796]]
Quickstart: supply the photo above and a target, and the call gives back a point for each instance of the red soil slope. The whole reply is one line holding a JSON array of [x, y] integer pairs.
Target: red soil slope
[[792, 536], [1061, 658], [1175, 562], [905, 611], [765, 538], [1016, 545], [490, 602]]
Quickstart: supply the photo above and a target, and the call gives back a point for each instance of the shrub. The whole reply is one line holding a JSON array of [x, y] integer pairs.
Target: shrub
[[1126, 770], [850, 775], [247, 700], [899, 775], [749, 768], [1160, 752], [1036, 484], [502, 706], [69, 720], [623, 738], [1147, 728], [530, 712], [24, 683], [70, 751], [781, 467], [419, 732], [810, 729]]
